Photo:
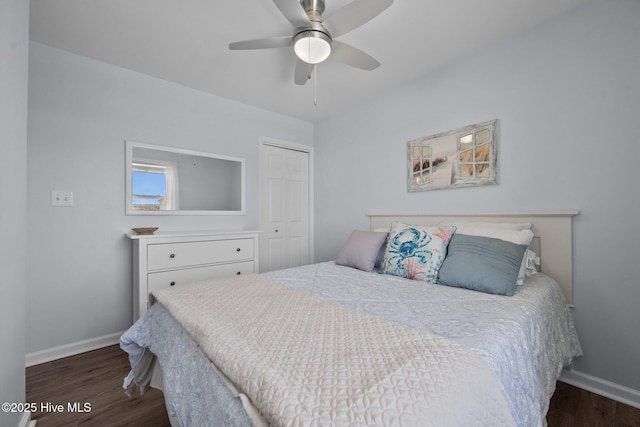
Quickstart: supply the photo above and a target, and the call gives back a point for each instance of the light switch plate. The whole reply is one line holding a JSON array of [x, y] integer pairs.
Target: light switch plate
[[61, 198]]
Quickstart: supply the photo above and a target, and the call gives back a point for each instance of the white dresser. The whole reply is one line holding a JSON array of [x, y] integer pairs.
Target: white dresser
[[172, 258]]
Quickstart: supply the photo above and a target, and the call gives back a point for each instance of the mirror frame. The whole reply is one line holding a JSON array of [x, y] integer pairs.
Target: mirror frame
[[130, 145]]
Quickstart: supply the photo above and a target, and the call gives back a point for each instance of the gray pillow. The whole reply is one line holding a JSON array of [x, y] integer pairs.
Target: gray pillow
[[482, 264], [362, 250]]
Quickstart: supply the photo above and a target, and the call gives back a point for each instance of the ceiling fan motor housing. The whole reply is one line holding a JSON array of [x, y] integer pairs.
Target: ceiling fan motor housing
[[312, 44]]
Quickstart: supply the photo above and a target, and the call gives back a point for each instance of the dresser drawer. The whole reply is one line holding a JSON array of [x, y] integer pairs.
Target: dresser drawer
[[174, 255], [164, 279], [163, 259]]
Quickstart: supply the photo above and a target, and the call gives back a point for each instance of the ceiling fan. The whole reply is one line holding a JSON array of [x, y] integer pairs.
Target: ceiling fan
[[313, 39]]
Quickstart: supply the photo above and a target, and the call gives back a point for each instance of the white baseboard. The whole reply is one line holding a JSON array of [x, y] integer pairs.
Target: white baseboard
[[55, 353], [605, 388]]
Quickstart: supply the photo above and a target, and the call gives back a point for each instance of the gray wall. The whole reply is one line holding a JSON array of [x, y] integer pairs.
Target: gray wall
[[80, 113], [566, 95], [14, 45]]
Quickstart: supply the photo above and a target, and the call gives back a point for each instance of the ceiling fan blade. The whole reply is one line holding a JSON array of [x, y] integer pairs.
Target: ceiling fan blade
[[353, 15], [267, 43], [302, 73], [350, 55], [293, 11]]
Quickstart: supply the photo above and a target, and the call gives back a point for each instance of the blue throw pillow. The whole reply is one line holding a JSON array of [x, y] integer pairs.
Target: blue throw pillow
[[416, 251], [482, 264]]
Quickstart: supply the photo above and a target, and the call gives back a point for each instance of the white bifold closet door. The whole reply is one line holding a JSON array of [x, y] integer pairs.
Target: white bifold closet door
[[284, 208]]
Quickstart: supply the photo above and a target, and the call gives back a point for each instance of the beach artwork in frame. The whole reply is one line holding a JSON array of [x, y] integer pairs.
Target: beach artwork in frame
[[462, 157]]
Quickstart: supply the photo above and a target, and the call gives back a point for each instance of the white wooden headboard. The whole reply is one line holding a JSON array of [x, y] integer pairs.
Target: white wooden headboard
[[553, 236]]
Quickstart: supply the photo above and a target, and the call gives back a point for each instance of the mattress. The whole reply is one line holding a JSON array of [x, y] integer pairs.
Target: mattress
[[525, 340]]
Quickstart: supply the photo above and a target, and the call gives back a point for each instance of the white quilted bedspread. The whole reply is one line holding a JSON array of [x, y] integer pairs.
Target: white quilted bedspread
[[305, 361]]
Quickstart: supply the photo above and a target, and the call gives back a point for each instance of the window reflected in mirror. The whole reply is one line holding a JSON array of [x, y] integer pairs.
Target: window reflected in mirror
[[151, 185]]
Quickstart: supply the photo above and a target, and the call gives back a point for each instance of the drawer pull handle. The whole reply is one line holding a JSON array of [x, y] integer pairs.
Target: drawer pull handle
[[238, 250], [172, 256], [172, 283], [238, 273]]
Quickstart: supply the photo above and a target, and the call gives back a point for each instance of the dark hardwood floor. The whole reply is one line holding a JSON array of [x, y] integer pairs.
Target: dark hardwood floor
[[96, 378], [574, 407]]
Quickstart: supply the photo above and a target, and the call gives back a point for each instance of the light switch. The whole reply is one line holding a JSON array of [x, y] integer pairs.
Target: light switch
[[61, 198]]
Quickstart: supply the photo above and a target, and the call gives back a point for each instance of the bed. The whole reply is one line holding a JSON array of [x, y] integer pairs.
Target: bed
[[339, 343]]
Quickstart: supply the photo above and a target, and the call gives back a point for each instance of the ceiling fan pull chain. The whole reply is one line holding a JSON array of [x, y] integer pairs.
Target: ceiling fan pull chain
[[315, 85]]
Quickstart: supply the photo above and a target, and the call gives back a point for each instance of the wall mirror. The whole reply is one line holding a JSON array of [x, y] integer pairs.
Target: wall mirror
[[173, 181], [459, 158]]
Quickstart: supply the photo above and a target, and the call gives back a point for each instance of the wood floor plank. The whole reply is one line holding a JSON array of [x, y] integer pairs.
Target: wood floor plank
[[96, 378]]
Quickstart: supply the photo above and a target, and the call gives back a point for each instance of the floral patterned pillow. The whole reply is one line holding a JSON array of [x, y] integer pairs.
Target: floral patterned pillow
[[416, 251]]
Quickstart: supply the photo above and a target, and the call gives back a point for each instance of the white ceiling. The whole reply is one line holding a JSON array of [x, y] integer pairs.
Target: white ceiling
[[186, 41]]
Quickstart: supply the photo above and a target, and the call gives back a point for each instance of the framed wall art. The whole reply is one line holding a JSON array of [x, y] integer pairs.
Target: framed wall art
[[462, 157]]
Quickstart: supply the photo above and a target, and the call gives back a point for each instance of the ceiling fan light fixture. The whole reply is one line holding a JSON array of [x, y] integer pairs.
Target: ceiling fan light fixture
[[312, 46]]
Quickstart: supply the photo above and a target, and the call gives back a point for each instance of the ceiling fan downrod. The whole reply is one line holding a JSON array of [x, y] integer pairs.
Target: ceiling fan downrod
[[314, 9]]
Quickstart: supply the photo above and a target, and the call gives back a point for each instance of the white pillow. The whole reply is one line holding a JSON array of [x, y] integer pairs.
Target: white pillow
[[519, 237], [483, 224], [532, 261]]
